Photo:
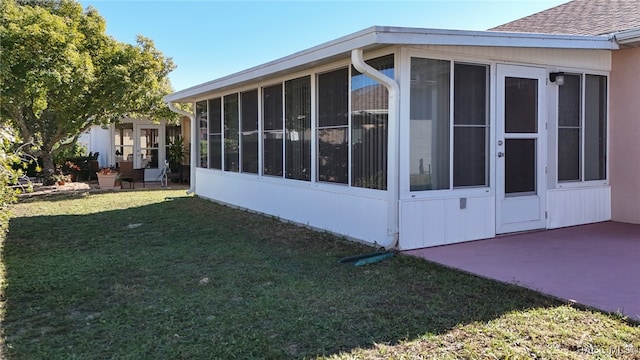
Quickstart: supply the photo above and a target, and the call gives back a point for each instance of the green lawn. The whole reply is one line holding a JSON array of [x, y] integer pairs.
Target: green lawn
[[157, 275]]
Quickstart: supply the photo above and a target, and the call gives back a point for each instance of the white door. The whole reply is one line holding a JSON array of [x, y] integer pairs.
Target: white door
[[520, 148], [149, 149]]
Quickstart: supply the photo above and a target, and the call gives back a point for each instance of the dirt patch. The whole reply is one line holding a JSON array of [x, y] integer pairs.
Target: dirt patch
[[39, 189]]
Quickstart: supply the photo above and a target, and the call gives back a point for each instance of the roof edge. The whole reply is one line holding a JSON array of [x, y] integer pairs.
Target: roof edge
[[386, 35], [361, 38], [628, 37]]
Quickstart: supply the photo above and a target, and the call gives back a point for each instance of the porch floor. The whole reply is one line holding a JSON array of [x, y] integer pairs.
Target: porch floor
[[597, 265]]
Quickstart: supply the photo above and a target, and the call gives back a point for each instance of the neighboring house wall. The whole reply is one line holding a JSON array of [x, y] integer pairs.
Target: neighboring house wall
[[625, 135], [144, 141], [97, 140]]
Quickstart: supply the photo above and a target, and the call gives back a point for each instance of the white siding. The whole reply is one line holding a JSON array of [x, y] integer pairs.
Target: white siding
[[577, 206], [98, 140], [432, 222], [359, 217]]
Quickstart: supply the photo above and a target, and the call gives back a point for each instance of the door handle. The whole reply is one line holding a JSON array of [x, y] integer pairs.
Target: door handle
[[500, 154]]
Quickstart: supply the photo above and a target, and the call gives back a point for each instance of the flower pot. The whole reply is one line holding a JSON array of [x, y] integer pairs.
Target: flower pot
[[107, 181]]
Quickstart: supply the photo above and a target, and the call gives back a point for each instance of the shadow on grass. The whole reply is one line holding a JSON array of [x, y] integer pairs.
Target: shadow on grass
[[188, 278]]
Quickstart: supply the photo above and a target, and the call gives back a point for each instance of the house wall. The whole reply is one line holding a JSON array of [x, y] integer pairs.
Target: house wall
[[356, 214], [426, 218], [625, 131], [443, 221], [577, 206], [98, 140], [432, 218], [574, 58]]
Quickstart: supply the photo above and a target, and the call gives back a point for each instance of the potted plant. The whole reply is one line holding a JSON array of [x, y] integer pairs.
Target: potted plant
[[175, 152], [60, 179], [107, 178], [175, 155], [57, 177]]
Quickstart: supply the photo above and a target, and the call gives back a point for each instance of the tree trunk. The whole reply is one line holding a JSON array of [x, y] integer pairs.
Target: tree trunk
[[48, 167]]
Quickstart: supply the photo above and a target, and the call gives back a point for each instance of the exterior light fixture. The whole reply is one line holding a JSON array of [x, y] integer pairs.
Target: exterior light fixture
[[557, 77]]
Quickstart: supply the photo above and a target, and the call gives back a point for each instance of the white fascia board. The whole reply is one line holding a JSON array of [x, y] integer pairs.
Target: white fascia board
[[377, 36], [416, 36], [628, 37]]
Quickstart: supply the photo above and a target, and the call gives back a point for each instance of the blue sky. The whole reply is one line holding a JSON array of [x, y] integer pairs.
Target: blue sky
[[208, 39]]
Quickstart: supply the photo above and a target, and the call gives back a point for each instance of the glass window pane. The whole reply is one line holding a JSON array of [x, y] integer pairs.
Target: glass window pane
[[568, 154], [429, 135], [215, 150], [249, 136], [520, 167], [123, 141], [369, 119], [333, 119], [249, 100], [569, 128], [272, 153], [124, 153], [470, 129], [333, 98], [215, 132], [569, 101], [298, 128], [250, 152], [231, 141], [201, 117], [148, 138], [148, 142], [272, 122], [470, 94], [595, 128], [149, 158], [470, 156], [521, 105], [272, 107], [333, 155], [215, 116]]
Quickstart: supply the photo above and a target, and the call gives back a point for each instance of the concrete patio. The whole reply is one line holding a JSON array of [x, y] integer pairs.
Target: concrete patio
[[597, 265]]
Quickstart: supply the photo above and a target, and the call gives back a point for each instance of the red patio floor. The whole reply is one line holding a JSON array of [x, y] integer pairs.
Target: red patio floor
[[596, 265]]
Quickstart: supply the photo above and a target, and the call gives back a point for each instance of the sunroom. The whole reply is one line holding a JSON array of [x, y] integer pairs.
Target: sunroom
[[412, 137]]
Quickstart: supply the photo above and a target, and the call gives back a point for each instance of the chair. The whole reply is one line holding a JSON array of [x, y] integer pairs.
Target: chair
[[94, 167], [164, 175], [185, 173], [130, 175]]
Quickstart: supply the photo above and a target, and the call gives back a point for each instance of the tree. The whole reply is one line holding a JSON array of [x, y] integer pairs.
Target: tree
[[60, 74], [12, 160]]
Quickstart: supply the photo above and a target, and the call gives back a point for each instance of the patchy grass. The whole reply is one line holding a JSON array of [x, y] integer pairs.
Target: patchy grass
[[132, 275]]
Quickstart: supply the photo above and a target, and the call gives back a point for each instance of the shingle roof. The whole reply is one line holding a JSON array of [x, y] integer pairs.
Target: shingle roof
[[580, 17]]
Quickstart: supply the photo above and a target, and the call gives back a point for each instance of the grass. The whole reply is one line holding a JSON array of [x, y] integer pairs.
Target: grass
[[133, 275]]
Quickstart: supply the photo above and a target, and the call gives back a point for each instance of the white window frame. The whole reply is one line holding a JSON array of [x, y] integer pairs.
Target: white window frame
[[405, 147], [581, 183]]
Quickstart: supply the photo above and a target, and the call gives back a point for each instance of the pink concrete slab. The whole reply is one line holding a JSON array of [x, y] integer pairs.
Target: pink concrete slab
[[596, 265]]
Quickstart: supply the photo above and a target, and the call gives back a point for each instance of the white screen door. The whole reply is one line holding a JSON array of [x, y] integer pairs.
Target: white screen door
[[520, 148]]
